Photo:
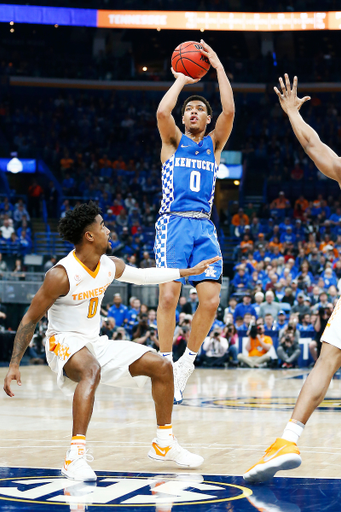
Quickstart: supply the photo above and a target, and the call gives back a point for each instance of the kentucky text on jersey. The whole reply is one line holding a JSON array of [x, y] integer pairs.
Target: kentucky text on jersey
[[189, 177], [91, 293], [195, 164]]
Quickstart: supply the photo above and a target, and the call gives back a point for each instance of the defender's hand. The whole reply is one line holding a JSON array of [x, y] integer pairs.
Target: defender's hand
[[210, 54], [12, 374], [199, 268], [288, 99], [186, 79]]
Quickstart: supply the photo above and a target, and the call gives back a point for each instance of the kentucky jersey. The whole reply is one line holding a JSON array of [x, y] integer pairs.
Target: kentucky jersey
[[189, 177], [78, 312], [188, 182]]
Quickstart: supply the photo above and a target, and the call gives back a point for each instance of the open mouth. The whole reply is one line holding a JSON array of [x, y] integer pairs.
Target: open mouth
[[193, 119]]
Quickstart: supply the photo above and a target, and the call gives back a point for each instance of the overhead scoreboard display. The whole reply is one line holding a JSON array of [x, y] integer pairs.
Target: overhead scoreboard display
[[171, 20]]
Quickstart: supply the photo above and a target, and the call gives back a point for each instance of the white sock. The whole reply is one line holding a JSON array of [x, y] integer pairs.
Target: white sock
[[77, 446], [164, 435], [188, 357], [167, 355], [292, 431]]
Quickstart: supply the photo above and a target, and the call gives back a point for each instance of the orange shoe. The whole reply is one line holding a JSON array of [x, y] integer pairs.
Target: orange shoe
[[281, 455]]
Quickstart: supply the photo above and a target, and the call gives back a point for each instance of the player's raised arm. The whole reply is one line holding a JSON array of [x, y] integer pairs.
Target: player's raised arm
[[325, 159], [56, 283], [128, 274], [170, 134], [224, 122]]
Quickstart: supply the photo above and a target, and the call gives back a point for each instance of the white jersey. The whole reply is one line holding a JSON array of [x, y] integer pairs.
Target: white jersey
[[78, 312]]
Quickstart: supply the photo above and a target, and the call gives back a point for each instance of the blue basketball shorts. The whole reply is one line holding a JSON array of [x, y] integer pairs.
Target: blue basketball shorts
[[182, 242]]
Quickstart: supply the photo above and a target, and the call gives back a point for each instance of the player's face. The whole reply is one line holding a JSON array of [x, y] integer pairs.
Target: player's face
[[195, 117], [101, 234]]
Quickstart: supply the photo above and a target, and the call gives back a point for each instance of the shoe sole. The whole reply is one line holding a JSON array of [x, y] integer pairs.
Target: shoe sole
[[178, 463], [177, 402], [67, 475], [267, 471]]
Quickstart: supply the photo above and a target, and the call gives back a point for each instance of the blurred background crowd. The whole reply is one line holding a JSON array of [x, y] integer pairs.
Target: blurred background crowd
[[279, 226]]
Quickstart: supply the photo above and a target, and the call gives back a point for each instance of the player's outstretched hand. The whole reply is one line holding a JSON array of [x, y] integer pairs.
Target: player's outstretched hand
[[210, 54], [288, 98], [199, 268], [12, 374], [186, 79]]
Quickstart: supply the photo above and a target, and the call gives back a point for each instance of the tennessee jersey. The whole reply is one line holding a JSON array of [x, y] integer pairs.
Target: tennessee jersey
[[78, 312], [189, 177]]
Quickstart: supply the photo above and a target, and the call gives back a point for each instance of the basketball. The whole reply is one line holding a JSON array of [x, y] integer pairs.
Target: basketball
[[188, 59]]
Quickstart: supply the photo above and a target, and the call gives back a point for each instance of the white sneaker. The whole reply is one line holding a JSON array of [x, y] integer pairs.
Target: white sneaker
[[76, 466], [175, 453], [182, 372]]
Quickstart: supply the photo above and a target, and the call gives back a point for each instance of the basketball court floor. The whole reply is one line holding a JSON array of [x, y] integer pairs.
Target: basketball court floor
[[229, 417]]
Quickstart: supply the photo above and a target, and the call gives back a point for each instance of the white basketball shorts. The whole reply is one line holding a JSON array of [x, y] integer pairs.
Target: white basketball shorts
[[114, 357], [332, 332]]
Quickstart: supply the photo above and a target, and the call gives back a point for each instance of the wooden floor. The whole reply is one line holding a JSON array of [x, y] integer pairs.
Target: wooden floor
[[229, 417]]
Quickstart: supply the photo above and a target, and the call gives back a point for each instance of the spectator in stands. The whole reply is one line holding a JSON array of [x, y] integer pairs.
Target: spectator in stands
[[231, 308], [68, 185], [66, 163], [270, 306], [239, 219], [191, 306], [144, 334], [215, 348], [35, 194], [320, 324], [259, 297], [18, 213], [109, 327], [6, 229], [269, 323], [245, 307], [18, 272], [230, 333], [133, 313], [240, 281], [281, 320], [50, 263], [288, 350], [328, 278], [257, 347], [3, 266], [305, 325], [118, 311], [281, 203], [25, 243], [147, 261], [289, 296], [51, 195], [300, 307], [246, 322], [322, 303]]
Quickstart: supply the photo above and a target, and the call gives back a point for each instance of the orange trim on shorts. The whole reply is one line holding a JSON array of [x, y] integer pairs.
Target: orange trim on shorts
[[92, 273]]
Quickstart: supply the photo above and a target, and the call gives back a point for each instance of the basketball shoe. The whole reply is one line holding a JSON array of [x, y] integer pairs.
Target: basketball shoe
[[76, 465], [182, 373], [282, 454], [174, 453]]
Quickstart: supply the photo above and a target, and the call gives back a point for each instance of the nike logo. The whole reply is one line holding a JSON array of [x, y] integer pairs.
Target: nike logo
[[161, 451], [184, 146], [266, 459]]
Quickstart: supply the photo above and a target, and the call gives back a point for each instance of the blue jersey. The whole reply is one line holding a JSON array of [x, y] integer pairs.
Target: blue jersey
[[189, 177]]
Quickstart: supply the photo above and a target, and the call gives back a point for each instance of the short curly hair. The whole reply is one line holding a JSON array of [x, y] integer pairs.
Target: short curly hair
[[73, 226], [196, 97]]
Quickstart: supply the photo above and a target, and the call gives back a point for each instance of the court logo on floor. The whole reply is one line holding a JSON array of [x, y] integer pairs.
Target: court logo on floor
[[118, 490], [264, 403]]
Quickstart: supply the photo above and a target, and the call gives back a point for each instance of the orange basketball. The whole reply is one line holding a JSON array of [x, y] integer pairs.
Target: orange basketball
[[188, 59]]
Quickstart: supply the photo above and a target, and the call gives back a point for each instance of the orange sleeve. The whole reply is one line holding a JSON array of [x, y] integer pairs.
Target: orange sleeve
[[235, 220]]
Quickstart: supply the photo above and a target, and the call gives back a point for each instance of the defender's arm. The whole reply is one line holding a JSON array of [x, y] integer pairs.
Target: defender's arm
[[56, 283], [325, 159]]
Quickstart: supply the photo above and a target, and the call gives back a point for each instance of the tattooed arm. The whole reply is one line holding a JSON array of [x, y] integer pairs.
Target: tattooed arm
[[56, 283]]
